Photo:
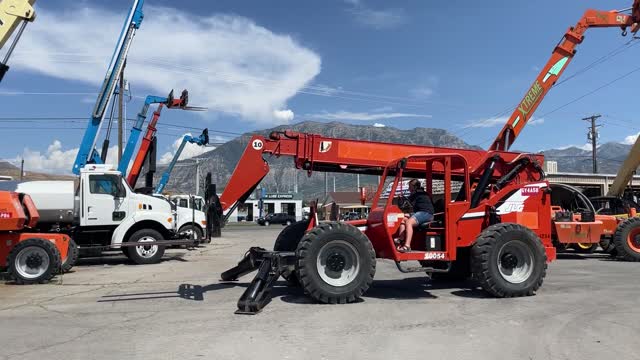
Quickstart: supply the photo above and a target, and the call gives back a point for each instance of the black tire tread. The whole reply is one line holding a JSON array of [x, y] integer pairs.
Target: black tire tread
[[623, 252], [72, 256], [480, 254], [303, 252], [288, 240]]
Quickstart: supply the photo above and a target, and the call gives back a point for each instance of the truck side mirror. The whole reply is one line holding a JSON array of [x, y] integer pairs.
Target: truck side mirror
[[120, 192]]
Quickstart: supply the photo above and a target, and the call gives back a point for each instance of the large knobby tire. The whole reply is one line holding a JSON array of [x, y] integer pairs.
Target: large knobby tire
[[584, 248], [336, 263], [33, 261], [288, 240], [508, 260], [627, 240], [460, 269], [72, 256], [143, 255]]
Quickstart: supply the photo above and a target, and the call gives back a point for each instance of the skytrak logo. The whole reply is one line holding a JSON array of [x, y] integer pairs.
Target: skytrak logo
[[531, 99]]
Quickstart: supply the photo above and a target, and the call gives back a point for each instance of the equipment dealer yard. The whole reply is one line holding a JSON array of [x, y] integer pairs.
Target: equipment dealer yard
[[108, 308]]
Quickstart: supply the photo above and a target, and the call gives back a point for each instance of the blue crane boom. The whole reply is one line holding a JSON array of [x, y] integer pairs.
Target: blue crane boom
[[87, 152], [201, 140]]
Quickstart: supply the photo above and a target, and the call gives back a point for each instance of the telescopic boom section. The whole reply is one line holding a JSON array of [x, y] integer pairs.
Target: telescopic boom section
[[87, 152], [201, 140], [562, 55], [312, 152]]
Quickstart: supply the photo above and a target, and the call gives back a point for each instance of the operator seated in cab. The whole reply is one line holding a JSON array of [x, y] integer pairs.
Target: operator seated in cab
[[422, 213]]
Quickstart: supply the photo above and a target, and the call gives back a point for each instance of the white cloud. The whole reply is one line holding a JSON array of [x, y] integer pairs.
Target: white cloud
[[379, 125], [56, 159], [227, 62], [487, 123], [499, 121], [283, 116], [631, 139], [377, 19], [190, 150], [534, 122], [364, 116], [422, 92]]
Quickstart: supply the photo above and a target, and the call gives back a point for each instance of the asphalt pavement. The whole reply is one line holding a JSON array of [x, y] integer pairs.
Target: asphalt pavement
[[108, 308]]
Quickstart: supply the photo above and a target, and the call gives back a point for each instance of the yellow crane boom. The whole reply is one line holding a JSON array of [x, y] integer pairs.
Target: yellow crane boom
[[13, 14]]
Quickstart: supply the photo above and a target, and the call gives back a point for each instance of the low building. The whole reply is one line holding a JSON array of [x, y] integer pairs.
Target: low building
[[592, 184], [251, 210], [345, 203]]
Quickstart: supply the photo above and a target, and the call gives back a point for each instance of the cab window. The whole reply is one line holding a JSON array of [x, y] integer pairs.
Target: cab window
[[104, 184]]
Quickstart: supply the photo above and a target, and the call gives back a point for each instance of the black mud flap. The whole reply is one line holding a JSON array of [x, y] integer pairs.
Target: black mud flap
[[271, 265]]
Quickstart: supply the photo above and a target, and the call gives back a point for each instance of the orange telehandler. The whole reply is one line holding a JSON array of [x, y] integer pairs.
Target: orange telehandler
[[499, 228]]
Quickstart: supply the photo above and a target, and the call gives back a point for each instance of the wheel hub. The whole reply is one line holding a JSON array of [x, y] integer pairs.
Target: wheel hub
[[509, 261], [34, 261], [336, 262]]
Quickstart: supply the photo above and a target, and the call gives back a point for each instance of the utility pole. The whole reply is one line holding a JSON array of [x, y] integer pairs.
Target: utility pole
[[593, 136], [197, 176], [358, 179], [120, 112], [334, 184], [21, 168], [295, 182], [326, 185]]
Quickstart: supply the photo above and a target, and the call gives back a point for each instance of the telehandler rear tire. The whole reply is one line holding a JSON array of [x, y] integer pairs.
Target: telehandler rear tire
[[336, 263], [508, 260], [288, 240], [627, 240], [33, 261]]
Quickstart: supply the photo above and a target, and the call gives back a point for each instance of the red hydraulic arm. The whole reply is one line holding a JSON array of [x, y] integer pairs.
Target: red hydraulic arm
[[562, 55], [312, 152], [143, 150], [136, 168]]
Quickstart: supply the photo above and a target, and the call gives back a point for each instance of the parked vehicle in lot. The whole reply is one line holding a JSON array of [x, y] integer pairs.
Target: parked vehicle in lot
[[351, 216], [278, 218], [190, 216]]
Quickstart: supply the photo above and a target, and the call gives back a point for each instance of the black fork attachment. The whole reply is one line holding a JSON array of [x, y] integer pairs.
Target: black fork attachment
[[270, 265]]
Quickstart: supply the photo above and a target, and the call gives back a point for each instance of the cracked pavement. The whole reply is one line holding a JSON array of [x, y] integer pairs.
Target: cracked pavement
[[109, 309]]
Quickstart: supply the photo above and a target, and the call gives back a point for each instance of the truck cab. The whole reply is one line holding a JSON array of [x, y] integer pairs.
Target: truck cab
[[191, 218]]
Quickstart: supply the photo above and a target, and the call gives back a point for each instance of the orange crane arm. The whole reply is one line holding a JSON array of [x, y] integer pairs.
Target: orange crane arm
[[313, 152], [560, 58]]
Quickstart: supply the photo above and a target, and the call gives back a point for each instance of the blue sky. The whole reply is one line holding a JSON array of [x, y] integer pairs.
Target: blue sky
[[256, 64]]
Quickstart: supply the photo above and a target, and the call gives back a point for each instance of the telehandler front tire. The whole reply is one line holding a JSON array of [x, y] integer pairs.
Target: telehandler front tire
[[336, 263], [508, 260]]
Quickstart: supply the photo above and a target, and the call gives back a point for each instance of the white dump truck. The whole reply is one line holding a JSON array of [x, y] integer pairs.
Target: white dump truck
[[101, 211]]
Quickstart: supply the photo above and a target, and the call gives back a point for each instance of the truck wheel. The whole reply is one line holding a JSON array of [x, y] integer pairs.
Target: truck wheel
[[192, 228], [72, 256], [584, 248], [288, 240], [336, 263], [508, 260], [149, 254], [33, 261], [627, 239]]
